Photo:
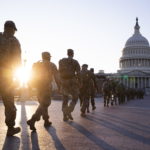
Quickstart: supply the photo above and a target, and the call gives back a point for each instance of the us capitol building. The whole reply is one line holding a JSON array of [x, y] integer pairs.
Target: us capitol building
[[135, 62]]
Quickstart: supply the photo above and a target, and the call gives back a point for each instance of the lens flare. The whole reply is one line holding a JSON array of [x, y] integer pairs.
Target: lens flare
[[22, 75]]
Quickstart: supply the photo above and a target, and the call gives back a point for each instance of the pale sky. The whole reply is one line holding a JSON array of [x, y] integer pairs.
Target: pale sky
[[95, 29]]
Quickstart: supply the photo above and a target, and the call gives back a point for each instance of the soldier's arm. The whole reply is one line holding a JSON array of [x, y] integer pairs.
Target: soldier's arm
[[78, 70], [94, 81], [56, 76]]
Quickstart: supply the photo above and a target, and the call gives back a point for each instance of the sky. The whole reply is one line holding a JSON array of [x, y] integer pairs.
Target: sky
[[96, 30]]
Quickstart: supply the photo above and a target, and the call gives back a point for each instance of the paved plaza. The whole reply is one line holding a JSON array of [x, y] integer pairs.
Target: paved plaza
[[124, 127]]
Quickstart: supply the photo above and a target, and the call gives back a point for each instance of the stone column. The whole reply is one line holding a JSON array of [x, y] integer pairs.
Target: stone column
[[138, 81], [149, 82], [141, 82]]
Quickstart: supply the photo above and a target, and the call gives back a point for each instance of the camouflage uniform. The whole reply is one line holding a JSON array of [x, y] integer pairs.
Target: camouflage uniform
[[86, 77], [93, 87], [106, 89], [43, 74], [10, 58], [69, 70]]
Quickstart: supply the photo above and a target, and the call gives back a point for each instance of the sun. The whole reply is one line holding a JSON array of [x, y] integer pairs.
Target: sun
[[22, 75]]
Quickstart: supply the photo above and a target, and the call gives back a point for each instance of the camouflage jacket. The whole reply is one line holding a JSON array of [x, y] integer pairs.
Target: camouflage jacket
[[10, 52], [69, 68], [43, 73]]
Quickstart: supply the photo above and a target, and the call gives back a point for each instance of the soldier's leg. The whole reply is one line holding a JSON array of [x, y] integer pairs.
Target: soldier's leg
[[83, 107], [10, 113], [10, 110], [93, 101], [35, 117], [65, 107], [73, 102], [105, 100], [81, 99], [45, 115], [87, 104]]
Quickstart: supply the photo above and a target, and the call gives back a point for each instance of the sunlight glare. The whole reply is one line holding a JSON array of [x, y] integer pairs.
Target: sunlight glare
[[22, 75]]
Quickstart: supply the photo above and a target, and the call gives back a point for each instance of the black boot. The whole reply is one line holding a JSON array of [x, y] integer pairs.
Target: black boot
[[47, 123], [70, 116], [65, 117], [83, 114], [11, 131], [31, 124], [93, 108]]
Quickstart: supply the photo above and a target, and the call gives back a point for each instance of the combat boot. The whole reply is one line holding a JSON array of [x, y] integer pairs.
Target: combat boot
[[31, 124], [47, 123], [93, 108], [12, 131], [70, 116], [65, 118], [88, 111]]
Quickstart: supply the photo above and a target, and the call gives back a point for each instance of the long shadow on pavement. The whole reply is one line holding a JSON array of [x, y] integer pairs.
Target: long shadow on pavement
[[121, 122], [99, 142], [52, 131], [24, 132], [11, 143], [122, 131], [34, 140], [127, 121]]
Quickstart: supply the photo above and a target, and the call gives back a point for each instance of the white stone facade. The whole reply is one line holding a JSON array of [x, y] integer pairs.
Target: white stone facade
[[135, 61]]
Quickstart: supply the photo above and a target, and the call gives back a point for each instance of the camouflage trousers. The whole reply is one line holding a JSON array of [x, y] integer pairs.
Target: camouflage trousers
[[70, 90], [7, 94], [91, 98], [84, 98], [44, 99]]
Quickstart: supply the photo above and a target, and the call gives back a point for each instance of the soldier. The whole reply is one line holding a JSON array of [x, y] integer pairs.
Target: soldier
[[10, 59], [86, 77], [69, 70], [43, 73], [106, 90], [93, 88]]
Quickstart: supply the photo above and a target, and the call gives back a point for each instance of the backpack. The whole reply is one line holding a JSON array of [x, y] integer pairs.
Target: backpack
[[66, 68], [41, 74], [85, 75]]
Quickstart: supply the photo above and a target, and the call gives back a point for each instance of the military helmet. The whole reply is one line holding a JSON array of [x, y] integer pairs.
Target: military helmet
[[46, 55], [85, 65], [11, 24]]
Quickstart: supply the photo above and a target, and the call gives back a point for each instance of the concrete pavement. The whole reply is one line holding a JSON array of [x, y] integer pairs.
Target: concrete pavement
[[124, 127]]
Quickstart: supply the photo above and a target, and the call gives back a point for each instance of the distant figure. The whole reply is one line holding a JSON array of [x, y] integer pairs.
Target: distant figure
[[43, 73], [106, 90], [86, 77], [10, 59], [93, 88], [69, 70]]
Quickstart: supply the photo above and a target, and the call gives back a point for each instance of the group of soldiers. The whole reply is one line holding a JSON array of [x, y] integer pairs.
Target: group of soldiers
[[114, 92], [72, 81]]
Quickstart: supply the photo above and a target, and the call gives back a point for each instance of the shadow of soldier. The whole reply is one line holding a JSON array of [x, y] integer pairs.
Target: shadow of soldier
[[57, 142], [12, 143], [34, 141]]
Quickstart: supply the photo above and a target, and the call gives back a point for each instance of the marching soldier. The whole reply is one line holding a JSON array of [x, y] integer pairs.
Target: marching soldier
[[86, 77], [69, 70], [10, 59], [93, 88], [43, 73]]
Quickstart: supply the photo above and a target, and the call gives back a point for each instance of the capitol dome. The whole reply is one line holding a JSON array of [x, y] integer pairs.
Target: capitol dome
[[136, 53], [137, 40]]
